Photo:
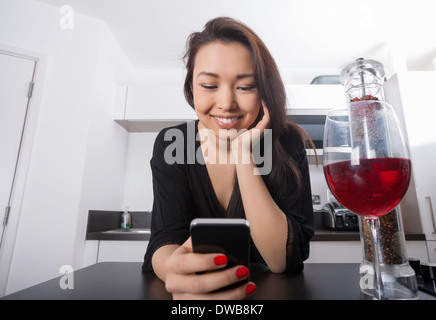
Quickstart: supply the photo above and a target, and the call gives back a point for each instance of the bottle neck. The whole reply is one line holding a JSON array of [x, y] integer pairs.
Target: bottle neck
[[372, 91]]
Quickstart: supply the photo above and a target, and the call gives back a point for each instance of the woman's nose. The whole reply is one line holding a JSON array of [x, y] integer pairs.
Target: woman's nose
[[226, 99]]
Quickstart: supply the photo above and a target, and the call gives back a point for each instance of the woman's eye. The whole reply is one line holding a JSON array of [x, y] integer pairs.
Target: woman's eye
[[208, 87], [246, 88]]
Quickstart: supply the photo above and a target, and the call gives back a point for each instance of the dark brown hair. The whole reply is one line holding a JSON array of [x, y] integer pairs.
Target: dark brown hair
[[271, 90]]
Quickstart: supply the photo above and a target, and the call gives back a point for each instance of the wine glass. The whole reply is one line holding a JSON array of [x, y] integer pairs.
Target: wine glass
[[367, 166]]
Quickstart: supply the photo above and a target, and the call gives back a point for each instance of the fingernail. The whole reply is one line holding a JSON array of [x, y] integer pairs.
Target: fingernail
[[220, 260], [242, 272], [251, 288]]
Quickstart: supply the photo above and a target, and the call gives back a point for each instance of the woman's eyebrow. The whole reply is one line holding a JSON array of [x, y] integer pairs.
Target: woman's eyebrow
[[239, 76], [205, 73], [244, 75]]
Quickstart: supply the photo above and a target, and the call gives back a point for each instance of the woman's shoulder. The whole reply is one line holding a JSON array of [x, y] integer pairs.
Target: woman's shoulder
[[178, 133], [173, 143], [293, 140]]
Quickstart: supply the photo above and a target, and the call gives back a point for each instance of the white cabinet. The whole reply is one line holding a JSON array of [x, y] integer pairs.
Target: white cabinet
[[121, 251], [351, 251], [412, 94], [315, 96], [148, 108], [431, 248], [335, 252]]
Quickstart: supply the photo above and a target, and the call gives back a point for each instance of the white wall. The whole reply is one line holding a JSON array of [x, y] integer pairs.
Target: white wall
[[138, 193], [77, 157]]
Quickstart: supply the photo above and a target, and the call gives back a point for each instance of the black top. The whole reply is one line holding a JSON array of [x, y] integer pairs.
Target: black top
[[183, 191]]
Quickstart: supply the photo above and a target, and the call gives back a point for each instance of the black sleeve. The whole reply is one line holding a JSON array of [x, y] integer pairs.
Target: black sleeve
[[172, 201], [297, 207]]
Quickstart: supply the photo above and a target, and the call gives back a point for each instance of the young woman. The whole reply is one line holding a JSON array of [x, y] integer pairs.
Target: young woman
[[234, 86]]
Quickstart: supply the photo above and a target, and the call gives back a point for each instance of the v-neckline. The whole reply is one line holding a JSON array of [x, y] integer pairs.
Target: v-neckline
[[202, 163]]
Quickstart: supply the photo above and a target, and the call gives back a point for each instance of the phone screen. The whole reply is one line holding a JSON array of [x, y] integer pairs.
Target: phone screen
[[227, 236]]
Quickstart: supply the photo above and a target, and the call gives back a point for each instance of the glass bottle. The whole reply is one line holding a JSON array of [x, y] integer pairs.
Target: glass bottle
[[126, 219], [363, 81]]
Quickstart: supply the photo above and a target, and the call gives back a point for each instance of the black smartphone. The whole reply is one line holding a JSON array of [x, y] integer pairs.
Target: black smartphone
[[223, 235]]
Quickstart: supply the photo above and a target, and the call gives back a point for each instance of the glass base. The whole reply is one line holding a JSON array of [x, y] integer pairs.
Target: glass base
[[399, 281]]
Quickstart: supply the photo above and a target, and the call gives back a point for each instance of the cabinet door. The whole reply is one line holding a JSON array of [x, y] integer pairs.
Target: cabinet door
[[431, 247], [335, 252], [157, 102], [315, 97], [122, 251]]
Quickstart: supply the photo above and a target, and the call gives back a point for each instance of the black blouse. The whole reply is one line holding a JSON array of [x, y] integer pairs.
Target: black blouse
[[183, 191]]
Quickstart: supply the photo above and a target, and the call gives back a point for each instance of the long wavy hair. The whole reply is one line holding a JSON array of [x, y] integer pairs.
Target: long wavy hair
[[271, 89]]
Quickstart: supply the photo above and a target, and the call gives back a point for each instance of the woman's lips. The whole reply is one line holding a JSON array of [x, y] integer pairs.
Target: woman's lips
[[226, 122]]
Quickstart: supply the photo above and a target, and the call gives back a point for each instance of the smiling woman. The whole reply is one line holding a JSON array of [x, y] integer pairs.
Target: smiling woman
[[224, 91], [234, 86]]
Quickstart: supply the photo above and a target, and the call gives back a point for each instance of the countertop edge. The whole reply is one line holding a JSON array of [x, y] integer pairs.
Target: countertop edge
[[331, 235], [320, 235], [102, 235]]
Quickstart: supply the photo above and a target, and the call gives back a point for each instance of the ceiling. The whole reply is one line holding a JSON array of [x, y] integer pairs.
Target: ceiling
[[302, 35]]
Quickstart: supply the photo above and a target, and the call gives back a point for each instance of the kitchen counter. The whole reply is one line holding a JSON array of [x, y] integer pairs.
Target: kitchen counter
[[332, 235], [125, 280], [140, 234], [320, 235], [103, 225]]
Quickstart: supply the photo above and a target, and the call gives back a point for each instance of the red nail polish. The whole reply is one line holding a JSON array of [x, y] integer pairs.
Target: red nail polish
[[242, 272], [220, 260], [251, 288]]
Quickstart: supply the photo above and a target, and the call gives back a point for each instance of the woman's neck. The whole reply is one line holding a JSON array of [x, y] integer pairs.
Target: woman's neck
[[216, 150]]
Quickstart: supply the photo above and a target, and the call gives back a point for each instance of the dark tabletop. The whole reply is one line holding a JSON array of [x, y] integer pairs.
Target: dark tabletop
[[125, 280]]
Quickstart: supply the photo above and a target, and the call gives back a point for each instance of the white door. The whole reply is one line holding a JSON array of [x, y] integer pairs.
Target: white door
[[16, 76]]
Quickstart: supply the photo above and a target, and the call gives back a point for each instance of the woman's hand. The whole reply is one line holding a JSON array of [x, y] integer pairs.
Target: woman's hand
[[183, 281], [242, 144]]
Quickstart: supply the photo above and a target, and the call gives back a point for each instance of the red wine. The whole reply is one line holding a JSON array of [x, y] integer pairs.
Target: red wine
[[373, 187]]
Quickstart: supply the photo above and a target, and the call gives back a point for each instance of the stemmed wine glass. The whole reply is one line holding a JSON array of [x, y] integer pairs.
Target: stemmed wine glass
[[367, 166]]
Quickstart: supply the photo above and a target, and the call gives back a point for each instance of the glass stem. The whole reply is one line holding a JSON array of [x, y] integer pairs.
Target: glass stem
[[374, 227]]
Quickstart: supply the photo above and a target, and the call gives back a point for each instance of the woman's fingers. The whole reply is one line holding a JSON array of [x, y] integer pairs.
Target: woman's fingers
[[206, 282], [186, 276], [183, 261], [238, 293], [265, 121], [209, 282]]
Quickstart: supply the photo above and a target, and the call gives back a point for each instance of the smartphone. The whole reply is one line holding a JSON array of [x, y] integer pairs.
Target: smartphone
[[223, 235]]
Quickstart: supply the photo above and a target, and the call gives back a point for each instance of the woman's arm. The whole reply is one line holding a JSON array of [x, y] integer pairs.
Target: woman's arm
[[159, 258], [268, 223]]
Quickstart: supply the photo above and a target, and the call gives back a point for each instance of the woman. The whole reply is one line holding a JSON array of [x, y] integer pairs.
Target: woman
[[234, 86]]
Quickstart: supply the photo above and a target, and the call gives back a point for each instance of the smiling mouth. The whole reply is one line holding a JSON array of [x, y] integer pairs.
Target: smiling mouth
[[226, 120]]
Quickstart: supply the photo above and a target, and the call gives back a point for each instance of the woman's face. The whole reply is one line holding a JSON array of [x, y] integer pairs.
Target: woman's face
[[224, 90]]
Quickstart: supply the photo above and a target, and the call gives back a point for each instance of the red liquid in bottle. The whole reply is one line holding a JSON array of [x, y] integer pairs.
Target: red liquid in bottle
[[373, 187]]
